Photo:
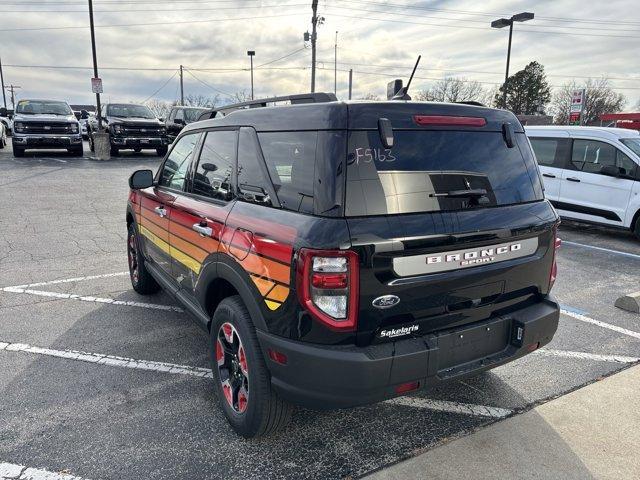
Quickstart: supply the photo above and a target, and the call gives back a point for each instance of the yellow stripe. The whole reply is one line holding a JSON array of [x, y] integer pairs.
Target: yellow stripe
[[174, 253], [272, 305]]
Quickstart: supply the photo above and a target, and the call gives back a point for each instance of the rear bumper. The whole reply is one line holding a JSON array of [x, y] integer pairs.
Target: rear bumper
[[326, 377]]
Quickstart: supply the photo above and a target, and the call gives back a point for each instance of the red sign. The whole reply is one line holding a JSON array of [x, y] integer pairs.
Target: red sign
[[96, 85]]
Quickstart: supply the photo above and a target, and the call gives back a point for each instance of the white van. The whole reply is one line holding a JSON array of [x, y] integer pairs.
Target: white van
[[591, 174]]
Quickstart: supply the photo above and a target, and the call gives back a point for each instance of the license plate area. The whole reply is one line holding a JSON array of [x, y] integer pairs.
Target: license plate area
[[473, 344]]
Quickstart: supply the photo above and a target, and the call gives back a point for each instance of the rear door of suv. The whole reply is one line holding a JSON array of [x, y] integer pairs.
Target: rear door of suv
[[450, 258]]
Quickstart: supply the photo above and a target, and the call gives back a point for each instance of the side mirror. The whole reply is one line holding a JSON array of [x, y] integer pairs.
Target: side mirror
[[611, 171], [141, 179], [386, 132]]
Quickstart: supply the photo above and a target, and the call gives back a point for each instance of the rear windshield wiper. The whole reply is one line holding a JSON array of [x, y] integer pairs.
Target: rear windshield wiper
[[473, 193]]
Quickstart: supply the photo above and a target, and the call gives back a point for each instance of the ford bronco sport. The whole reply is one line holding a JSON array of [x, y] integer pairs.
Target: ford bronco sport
[[343, 253], [131, 126]]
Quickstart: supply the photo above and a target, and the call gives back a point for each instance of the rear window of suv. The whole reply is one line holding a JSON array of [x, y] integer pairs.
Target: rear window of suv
[[423, 168]]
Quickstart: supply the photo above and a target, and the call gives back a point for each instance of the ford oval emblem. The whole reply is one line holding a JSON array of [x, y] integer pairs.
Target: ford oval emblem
[[386, 301]]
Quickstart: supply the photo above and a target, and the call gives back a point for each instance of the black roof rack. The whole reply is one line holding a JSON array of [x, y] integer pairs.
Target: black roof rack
[[263, 102]]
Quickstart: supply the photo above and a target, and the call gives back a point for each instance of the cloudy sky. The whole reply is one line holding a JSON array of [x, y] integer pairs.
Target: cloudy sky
[[45, 45]]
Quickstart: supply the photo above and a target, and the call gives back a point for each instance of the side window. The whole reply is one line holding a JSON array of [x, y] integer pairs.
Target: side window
[[214, 176], [172, 114], [591, 155], [549, 151], [253, 183], [290, 159], [174, 170], [179, 114], [627, 165]]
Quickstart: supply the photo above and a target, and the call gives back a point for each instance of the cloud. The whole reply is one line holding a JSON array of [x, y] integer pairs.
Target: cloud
[[377, 41]]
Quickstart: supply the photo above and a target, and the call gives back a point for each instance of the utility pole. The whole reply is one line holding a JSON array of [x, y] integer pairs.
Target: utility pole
[[314, 22], [181, 86], [4, 95], [335, 66], [12, 88], [350, 82], [95, 64]]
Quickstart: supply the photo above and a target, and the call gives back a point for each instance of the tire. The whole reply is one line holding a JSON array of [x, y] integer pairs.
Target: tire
[[162, 151], [141, 280], [636, 230], [250, 405], [77, 152], [18, 152], [115, 151]]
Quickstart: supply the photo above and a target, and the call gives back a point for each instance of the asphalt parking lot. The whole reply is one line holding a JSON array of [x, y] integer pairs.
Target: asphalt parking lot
[[138, 401]]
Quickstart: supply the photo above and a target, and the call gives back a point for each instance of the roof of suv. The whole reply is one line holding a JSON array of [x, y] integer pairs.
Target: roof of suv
[[341, 115], [575, 130]]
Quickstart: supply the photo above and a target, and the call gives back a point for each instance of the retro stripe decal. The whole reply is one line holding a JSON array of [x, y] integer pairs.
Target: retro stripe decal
[[267, 261]]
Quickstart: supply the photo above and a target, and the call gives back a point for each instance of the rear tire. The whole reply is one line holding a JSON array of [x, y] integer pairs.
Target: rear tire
[[141, 280], [18, 152], [258, 410]]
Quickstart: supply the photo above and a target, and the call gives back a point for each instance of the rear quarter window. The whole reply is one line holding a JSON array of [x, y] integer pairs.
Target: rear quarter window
[[422, 165]]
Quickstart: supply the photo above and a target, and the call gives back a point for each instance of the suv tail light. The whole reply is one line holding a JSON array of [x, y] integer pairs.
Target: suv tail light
[[449, 121], [327, 283], [554, 266]]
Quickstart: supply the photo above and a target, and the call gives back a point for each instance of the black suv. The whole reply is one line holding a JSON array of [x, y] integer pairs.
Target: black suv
[[131, 126], [343, 253], [179, 117]]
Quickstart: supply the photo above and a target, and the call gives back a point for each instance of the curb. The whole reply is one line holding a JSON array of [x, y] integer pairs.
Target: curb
[[630, 302]]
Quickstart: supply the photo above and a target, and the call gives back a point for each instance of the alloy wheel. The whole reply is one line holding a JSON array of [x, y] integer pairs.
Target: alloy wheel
[[233, 368], [132, 252]]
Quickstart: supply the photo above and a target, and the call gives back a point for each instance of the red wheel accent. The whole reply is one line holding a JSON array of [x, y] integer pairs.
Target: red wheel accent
[[233, 367]]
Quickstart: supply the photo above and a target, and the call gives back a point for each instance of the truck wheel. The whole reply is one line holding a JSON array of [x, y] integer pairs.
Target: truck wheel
[[240, 375], [636, 230], [18, 152], [115, 151], [161, 151], [77, 152], [141, 279]]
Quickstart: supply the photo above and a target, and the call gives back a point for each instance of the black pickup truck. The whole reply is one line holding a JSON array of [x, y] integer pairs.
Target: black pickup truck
[[132, 127]]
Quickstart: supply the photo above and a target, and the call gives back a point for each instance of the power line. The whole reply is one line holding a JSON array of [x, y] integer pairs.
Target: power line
[[281, 58], [155, 10], [206, 84], [159, 89]]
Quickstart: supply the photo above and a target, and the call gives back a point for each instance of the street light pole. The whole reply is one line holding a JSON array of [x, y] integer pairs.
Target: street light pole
[[314, 23], [508, 22], [335, 66], [181, 85], [4, 95], [95, 64], [251, 54]]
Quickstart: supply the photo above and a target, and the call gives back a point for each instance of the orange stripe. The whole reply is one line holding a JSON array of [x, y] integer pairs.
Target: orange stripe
[[263, 285], [207, 244], [149, 216], [153, 228], [266, 268], [185, 247], [279, 293]]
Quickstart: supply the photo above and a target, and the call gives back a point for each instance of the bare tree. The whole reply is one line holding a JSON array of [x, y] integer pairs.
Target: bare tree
[[159, 108], [369, 96], [240, 96], [200, 100], [452, 89], [601, 98]]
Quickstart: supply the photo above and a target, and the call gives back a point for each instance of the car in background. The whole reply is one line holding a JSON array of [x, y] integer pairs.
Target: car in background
[[3, 135], [83, 119], [6, 120], [179, 116], [130, 126], [591, 174], [45, 124]]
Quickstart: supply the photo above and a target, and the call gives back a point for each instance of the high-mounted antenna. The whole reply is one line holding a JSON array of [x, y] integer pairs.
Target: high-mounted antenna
[[402, 93]]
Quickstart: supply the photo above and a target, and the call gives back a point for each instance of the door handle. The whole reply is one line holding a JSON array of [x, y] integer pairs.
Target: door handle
[[202, 229], [161, 211], [548, 175], [573, 179]]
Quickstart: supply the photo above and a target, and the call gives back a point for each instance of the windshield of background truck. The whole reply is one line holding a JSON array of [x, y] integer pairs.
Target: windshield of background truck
[[130, 111], [429, 171], [31, 107], [633, 144], [192, 114]]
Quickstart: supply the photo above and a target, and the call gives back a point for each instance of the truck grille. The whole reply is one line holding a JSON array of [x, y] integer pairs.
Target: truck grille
[[47, 128], [142, 131]]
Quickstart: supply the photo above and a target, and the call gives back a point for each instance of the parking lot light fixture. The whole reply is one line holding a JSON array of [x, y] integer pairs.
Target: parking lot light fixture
[[508, 22], [251, 54]]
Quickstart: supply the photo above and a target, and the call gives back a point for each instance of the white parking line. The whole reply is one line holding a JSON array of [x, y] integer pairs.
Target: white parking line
[[11, 471], [71, 280], [615, 328], [602, 249], [452, 407], [587, 356], [85, 298], [111, 360]]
